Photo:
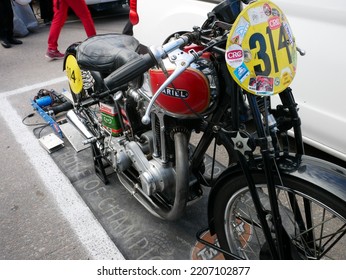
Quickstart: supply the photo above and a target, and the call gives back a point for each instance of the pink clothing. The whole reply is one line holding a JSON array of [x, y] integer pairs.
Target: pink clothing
[[60, 15]]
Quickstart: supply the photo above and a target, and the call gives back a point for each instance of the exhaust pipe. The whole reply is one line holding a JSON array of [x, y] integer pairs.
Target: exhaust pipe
[[166, 212]]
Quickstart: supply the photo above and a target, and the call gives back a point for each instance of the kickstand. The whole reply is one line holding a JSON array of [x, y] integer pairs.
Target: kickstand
[[100, 167]]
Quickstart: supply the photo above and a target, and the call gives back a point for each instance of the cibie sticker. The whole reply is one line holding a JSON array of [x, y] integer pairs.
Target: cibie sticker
[[240, 31], [234, 55]]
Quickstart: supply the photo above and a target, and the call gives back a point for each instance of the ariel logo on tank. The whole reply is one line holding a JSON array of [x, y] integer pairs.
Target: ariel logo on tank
[[179, 93]]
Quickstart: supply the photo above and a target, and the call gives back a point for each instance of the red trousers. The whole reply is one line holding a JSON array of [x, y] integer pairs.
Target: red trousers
[[60, 15]]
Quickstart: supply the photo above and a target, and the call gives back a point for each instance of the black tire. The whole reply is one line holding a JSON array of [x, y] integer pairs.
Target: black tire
[[239, 231]]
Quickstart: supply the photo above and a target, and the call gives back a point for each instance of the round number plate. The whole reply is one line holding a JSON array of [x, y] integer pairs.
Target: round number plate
[[74, 75], [261, 51]]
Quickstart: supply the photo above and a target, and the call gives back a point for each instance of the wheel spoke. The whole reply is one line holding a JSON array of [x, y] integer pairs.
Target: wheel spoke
[[314, 229]]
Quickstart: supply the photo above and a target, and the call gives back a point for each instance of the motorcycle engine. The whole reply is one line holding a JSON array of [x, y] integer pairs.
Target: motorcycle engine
[[144, 153]]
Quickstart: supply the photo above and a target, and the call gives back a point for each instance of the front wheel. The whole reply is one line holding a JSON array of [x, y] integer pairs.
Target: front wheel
[[313, 220]]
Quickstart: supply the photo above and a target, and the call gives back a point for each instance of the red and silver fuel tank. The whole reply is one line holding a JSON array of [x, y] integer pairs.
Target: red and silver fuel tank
[[189, 95]]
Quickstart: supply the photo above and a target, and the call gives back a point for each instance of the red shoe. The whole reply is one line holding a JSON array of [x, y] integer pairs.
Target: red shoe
[[54, 54]]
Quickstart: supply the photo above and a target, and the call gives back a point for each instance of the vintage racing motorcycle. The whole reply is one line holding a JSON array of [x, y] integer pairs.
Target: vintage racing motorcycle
[[154, 114]]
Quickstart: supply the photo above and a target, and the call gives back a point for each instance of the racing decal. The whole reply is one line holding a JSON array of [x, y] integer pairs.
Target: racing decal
[[262, 85], [241, 72], [260, 50], [274, 23], [288, 33], [257, 15], [286, 76], [267, 9], [240, 30], [234, 56]]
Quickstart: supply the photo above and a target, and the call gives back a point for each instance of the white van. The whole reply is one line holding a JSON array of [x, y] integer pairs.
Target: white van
[[106, 4], [320, 29]]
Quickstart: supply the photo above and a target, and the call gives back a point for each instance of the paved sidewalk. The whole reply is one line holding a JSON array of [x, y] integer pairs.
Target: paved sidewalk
[[41, 214]]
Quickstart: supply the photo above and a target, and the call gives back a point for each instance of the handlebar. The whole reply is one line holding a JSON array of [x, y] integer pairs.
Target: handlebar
[[130, 71], [143, 63]]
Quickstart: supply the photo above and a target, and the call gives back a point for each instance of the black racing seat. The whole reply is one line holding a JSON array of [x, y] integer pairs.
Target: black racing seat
[[105, 53]]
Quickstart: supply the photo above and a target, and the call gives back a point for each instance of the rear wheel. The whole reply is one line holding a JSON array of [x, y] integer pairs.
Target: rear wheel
[[314, 220]]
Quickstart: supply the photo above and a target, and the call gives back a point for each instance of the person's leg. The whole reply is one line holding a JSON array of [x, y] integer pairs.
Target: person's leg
[[3, 19], [81, 10], [6, 24], [46, 10], [60, 9], [8, 19]]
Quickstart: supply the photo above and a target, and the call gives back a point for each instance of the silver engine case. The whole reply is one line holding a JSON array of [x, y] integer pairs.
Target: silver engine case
[[154, 175]]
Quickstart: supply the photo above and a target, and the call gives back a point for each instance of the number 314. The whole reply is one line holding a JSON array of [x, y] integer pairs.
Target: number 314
[[263, 54]]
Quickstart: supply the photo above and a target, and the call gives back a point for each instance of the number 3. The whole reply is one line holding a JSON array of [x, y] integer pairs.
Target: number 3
[[262, 54]]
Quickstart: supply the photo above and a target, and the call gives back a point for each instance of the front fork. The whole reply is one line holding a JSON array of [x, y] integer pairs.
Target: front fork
[[278, 246]]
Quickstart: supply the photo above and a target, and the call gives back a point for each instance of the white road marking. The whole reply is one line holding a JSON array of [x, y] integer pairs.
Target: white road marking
[[32, 87], [88, 229]]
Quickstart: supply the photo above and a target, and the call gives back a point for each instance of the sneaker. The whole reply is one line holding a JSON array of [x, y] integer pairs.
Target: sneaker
[[54, 54], [14, 41], [6, 44]]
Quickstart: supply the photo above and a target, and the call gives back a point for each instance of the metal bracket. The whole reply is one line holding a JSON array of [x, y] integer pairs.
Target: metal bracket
[[241, 142]]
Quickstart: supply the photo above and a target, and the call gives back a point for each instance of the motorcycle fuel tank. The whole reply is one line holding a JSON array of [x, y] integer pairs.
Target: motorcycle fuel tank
[[186, 96]]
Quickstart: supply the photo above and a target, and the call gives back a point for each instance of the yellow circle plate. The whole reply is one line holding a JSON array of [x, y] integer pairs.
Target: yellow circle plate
[[74, 74], [261, 51]]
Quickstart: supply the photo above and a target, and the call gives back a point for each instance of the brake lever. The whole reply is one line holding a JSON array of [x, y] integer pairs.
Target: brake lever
[[182, 60]]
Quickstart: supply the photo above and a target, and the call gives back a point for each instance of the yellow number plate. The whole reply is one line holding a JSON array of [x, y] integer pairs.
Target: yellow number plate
[[74, 75], [261, 51]]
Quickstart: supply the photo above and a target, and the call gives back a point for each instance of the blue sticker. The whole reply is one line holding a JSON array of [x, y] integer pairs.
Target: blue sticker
[[241, 72]]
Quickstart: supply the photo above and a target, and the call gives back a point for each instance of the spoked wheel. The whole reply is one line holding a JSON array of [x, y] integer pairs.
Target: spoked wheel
[[314, 220]]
